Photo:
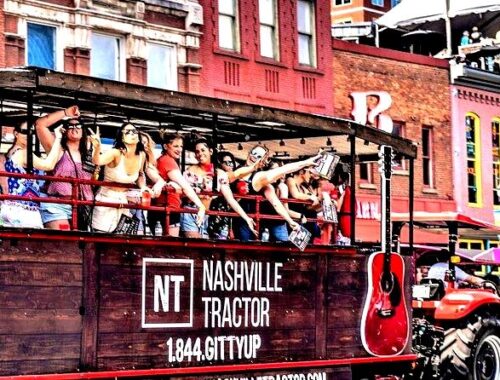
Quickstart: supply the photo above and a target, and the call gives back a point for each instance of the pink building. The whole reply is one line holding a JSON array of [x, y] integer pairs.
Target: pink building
[[475, 110]]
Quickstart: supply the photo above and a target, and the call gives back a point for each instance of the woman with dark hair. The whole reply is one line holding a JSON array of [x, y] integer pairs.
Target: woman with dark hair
[[124, 163], [168, 169], [19, 213], [70, 164], [261, 183], [200, 177]]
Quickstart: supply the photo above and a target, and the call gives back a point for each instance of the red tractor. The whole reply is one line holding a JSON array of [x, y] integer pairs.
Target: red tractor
[[456, 326]]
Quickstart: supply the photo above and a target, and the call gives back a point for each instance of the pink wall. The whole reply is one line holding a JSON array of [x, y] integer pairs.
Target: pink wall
[[486, 105]]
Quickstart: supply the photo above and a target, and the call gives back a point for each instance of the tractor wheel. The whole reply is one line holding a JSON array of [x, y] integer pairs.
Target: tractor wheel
[[473, 352]]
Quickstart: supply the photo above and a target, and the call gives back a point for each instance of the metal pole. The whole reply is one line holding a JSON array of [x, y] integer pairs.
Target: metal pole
[[447, 23], [29, 136], [215, 121], [411, 194], [353, 189]]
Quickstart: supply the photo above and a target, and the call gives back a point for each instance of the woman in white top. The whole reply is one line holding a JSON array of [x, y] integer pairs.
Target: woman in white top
[[123, 163]]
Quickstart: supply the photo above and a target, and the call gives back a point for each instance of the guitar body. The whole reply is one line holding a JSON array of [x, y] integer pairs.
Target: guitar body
[[384, 323]]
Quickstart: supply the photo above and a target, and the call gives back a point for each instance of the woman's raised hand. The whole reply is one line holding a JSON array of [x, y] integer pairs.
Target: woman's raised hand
[[95, 137], [314, 159], [72, 112], [58, 132]]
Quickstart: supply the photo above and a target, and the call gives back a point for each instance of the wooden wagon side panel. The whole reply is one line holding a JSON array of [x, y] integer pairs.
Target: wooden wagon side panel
[[270, 316], [40, 294]]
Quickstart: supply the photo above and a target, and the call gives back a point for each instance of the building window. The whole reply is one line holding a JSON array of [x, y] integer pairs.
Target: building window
[[427, 157], [228, 25], [162, 66], [268, 29], [471, 244], [305, 19], [106, 58], [365, 173], [394, 3], [495, 153], [473, 150], [342, 2], [378, 3], [41, 43], [398, 130]]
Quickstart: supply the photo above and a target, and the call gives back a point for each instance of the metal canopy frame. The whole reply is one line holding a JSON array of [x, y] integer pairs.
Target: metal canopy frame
[[110, 103]]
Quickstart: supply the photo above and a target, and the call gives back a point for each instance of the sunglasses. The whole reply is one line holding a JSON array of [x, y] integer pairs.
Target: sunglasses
[[130, 132], [74, 126], [23, 131]]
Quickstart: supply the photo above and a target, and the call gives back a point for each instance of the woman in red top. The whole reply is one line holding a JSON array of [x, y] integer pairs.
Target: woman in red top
[[169, 170]]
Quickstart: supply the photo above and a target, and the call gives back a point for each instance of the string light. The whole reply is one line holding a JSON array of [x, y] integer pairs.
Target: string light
[[282, 143], [240, 147], [302, 141], [328, 142]]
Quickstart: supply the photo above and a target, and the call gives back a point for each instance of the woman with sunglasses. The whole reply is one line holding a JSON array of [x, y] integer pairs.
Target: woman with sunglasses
[[71, 163], [19, 213], [124, 163], [200, 177], [261, 183]]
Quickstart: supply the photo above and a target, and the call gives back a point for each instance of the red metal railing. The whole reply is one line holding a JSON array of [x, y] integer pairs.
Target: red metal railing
[[74, 201]]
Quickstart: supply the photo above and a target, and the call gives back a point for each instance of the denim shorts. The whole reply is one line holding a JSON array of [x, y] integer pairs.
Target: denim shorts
[[188, 224], [55, 211]]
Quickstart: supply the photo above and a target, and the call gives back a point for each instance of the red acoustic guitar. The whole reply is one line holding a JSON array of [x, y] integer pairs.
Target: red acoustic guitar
[[384, 323]]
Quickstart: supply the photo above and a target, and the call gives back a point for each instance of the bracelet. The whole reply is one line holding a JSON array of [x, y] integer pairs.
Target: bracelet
[[65, 114]]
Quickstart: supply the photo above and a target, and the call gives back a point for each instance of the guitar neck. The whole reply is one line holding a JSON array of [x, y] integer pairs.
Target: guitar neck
[[386, 225]]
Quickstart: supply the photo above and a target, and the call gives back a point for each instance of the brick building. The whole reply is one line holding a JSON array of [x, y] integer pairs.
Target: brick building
[[152, 42], [352, 11], [419, 89], [271, 52]]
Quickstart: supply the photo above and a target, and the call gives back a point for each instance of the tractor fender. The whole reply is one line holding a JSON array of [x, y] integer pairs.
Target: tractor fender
[[460, 303]]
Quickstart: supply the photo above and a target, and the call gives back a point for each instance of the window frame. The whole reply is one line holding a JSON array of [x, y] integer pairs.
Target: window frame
[[235, 27], [121, 61], [274, 32], [342, 2], [174, 67], [58, 43], [312, 50], [402, 167], [495, 163], [429, 157], [476, 161]]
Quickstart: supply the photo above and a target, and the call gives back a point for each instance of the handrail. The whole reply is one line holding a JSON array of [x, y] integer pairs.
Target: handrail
[[74, 200]]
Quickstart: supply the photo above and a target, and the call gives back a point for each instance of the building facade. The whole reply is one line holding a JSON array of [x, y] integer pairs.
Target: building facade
[[271, 52], [353, 11], [152, 42], [475, 100], [413, 92]]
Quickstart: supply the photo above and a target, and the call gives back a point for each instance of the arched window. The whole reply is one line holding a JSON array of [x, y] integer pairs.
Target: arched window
[[473, 149]]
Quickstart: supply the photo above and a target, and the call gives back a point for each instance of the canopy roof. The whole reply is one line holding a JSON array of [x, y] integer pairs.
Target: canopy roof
[[109, 103], [427, 14]]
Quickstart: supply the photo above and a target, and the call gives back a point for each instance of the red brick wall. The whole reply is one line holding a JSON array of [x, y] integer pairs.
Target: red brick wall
[[77, 61], [419, 87], [248, 77], [2, 35], [137, 71]]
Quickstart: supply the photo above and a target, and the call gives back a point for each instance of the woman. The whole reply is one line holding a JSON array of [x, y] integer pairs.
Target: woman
[[200, 177], [260, 183], [299, 186], [123, 163], [168, 169], [26, 213], [71, 163]]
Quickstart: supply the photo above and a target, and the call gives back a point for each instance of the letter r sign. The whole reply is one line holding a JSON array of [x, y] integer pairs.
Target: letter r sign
[[363, 115], [167, 293]]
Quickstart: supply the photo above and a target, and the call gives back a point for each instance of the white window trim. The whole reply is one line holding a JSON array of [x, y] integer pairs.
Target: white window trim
[[59, 41], [276, 38], [122, 73], [175, 67], [237, 32], [430, 156], [314, 53]]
